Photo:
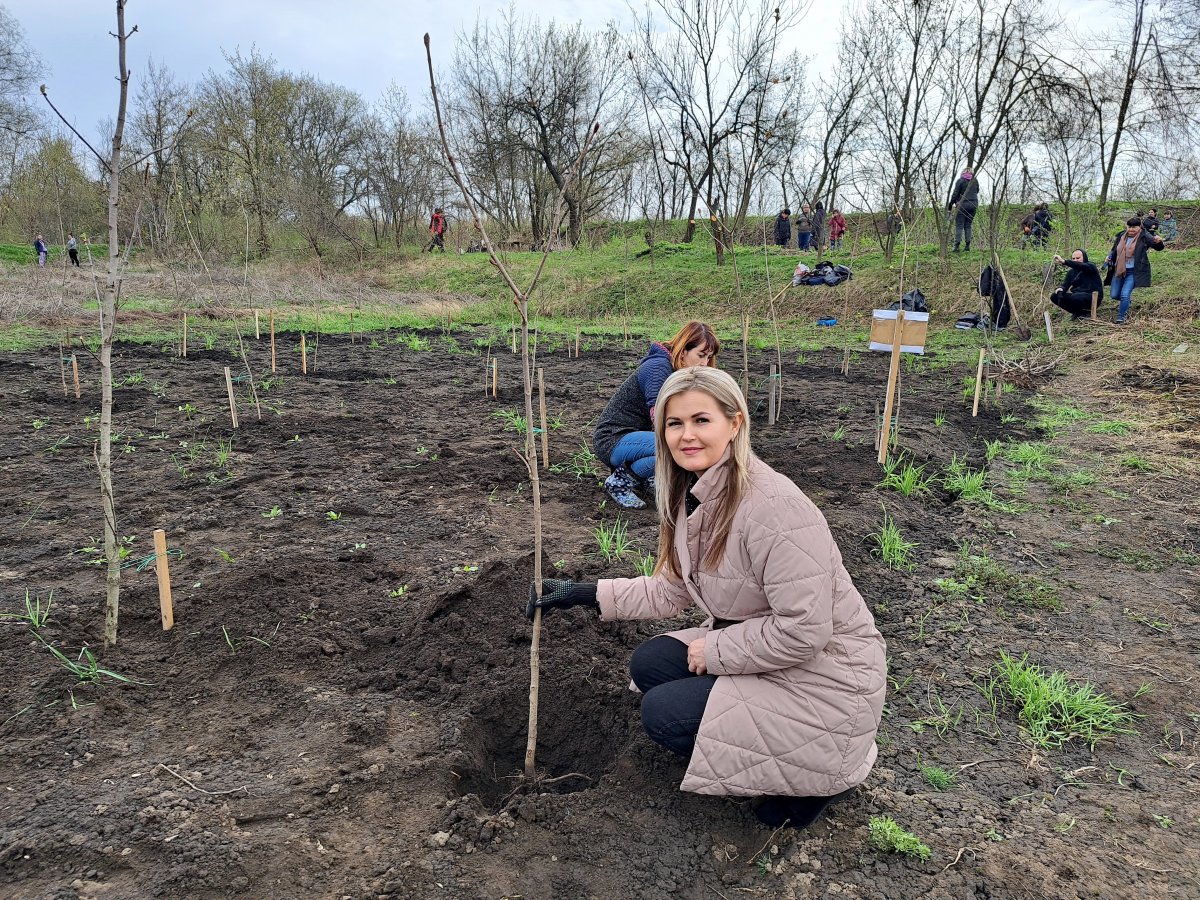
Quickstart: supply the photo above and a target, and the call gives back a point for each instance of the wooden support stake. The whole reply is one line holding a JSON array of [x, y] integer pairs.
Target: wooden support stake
[[272, 340], [257, 335], [183, 341], [1095, 303], [774, 381], [303, 356], [577, 343], [545, 430], [232, 401], [495, 378], [893, 372], [1049, 327], [75, 374], [514, 339], [164, 578], [62, 366], [878, 424], [978, 378]]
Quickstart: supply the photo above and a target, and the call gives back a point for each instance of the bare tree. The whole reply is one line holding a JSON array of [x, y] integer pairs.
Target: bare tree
[[704, 80]]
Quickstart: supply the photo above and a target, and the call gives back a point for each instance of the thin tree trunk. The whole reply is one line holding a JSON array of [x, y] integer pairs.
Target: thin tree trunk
[[107, 328]]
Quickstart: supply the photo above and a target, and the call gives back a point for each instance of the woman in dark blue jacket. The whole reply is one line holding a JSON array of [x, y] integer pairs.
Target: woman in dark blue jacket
[[1128, 264], [1075, 293], [624, 436]]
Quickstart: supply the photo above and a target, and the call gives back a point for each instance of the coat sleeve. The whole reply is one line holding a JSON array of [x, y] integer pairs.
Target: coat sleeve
[[648, 597], [652, 374], [792, 554]]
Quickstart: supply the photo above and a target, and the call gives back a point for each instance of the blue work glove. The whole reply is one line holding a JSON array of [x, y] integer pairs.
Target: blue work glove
[[560, 593]]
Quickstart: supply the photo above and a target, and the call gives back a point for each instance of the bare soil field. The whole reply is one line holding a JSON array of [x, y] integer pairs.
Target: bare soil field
[[340, 709]]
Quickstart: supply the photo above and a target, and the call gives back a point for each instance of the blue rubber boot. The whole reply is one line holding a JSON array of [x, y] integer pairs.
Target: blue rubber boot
[[619, 486]]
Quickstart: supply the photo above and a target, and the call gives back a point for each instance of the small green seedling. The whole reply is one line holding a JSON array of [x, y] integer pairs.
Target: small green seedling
[[901, 475], [613, 540], [645, 564], [938, 778], [37, 611], [939, 419], [1164, 821], [228, 639], [39, 424], [892, 548], [225, 555], [332, 516], [397, 593], [886, 835], [273, 513]]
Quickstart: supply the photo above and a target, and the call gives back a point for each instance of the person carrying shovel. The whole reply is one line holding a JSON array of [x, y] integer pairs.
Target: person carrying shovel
[[777, 697]]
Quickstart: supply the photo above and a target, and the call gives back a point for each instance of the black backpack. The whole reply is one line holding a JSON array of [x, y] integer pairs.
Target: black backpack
[[912, 301]]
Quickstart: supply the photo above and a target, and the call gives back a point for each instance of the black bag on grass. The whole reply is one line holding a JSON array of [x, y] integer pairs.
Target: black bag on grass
[[912, 301]]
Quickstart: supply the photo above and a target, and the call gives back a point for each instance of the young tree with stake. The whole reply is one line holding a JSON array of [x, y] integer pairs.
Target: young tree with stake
[[521, 301]]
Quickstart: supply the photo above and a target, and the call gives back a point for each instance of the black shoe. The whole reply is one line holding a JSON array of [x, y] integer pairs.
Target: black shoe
[[794, 812]]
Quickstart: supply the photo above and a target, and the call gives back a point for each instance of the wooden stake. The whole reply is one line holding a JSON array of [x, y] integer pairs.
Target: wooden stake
[[577, 343], [745, 354], [978, 378], [878, 424], [545, 430], [257, 336], [62, 366], [272, 340], [514, 339], [164, 578], [893, 371], [774, 379], [1095, 303], [183, 342], [75, 374], [495, 378], [1049, 328], [232, 402], [303, 356]]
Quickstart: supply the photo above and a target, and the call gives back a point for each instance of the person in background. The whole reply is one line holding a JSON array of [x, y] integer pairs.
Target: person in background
[[1128, 264], [437, 231], [39, 247], [965, 199], [1082, 279], [73, 248], [783, 228], [778, 695], [1150, 223], [1168, 228], [804, 227], [1043, 224], [837, 228], [818, 220], [624, 435]]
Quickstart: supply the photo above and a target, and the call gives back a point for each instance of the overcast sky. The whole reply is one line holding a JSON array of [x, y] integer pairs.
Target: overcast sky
[[360, 44]]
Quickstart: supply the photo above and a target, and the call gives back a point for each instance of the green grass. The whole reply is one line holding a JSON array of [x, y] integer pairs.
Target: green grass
[[887, 835], [937, 778], [891, 546], [613, 540], [1056, 416], [1054, 710], [981, 578], [1111, 427], [901, 475], [1032, 456]]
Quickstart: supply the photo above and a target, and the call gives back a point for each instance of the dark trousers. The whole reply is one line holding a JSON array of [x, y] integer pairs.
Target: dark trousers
[[963, 220], [1077, 303], [673, 699], [74, 256], [803, 240]]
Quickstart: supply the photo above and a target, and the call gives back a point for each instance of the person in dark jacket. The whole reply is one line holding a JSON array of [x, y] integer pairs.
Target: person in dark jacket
[[1151, 224], [1128, 264], [1168, 228], [783, 228], [1043, 224], [437, 231], [804, 227], [965, 198], [1082, 279], [624, 435], [818, 221]]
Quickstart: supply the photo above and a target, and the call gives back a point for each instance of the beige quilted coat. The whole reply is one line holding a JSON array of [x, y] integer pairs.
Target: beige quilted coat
[[802, 672]]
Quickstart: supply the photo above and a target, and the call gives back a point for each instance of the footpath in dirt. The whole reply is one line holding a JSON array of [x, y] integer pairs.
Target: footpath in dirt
[[340, 709]]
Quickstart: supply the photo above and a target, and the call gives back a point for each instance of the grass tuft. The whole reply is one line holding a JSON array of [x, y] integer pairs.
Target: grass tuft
[[888, 836]]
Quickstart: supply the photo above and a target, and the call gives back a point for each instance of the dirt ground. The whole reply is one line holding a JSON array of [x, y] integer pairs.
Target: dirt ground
[[341, 707]]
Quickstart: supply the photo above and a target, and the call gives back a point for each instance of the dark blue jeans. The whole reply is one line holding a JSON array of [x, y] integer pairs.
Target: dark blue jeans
[[673, 699], [635, 451], [803, 240]]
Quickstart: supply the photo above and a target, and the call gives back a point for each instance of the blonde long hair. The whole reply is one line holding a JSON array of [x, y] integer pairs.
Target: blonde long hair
[[673, 482]]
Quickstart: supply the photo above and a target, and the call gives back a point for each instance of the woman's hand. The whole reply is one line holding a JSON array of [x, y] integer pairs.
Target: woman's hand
[[696, 657], [1058, 259]]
